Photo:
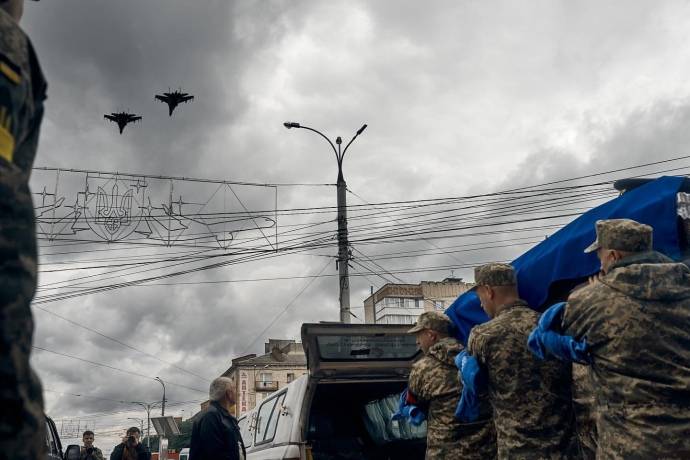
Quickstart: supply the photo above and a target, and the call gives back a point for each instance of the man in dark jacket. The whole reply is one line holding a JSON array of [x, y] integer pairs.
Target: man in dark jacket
[[131, 446], [634, 317], [215, 434]]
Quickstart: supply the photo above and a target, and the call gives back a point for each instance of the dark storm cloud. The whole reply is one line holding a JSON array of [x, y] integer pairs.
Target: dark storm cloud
[[103, 57]]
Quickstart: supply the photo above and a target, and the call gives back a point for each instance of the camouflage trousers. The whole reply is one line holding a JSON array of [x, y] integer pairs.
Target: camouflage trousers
[[22, 422]]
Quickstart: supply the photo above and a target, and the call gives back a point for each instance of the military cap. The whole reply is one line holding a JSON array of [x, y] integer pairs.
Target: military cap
[[494, 274], [434, 320], [622, 235]]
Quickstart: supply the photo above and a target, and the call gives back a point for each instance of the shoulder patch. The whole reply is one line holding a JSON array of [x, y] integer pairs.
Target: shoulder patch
[[10, 70], [6, 144]]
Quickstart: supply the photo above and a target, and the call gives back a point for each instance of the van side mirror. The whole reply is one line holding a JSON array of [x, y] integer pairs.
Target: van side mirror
[[73, 452]]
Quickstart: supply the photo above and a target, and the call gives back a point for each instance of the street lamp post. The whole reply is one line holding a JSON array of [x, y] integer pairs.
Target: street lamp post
[[163, 402], [147, 407], [343, 243]]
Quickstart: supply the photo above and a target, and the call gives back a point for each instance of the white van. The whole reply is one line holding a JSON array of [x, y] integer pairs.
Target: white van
[[342, 408]]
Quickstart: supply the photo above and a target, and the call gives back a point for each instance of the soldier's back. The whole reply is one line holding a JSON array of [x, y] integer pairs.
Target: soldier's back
[[636, 322], [531, 398], [434, 379]]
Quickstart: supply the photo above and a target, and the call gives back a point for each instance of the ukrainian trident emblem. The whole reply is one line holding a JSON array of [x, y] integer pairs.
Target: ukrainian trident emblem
[[114, 211]]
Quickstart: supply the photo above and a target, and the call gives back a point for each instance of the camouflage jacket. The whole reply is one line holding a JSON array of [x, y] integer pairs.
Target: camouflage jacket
[[22, 91], [531, 398], [636, 320], [434, 381]]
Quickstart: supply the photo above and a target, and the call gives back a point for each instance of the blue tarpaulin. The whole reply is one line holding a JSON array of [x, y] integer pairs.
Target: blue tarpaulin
[[560, 257]]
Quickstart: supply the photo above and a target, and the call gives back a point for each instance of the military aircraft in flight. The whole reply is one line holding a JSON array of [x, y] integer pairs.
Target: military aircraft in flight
[[122, 119], [174, 99]]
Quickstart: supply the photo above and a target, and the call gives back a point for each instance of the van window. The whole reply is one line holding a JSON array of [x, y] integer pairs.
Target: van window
[[244, 424], [366, 347], [267, 423]]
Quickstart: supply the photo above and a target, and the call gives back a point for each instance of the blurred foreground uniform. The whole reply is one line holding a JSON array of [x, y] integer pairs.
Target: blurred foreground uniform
[[635, 319], [22, 92], [434, 383]]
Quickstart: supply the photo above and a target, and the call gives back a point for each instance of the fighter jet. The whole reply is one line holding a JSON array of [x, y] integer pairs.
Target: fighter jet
[[174, 99], [122, 119]]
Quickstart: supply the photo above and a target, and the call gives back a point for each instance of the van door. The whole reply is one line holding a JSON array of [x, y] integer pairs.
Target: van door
[[271, 427], [53, 441], [343, 351]]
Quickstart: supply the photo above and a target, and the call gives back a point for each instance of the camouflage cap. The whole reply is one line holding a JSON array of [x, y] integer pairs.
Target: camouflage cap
[[434, 320], [494, 274], [622, 235]]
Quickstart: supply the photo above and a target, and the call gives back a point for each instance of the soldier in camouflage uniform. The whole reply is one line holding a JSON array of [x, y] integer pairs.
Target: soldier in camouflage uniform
[[531, 399], [22, 92], [635, 318], [434, 383]]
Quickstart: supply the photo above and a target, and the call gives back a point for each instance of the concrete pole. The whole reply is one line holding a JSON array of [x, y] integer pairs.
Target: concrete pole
[[343, 251], [160, 380], [148, 427]]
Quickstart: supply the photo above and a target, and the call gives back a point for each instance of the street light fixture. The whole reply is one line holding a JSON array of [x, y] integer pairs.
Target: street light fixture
[[147, 407], [343, 244]]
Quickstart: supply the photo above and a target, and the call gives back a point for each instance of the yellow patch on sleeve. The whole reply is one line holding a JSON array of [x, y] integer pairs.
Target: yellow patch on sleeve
[[6, 144], [13, 76]]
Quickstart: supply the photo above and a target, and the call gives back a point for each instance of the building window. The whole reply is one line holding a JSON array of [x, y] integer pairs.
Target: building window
[[244, 384], [266, 377], [290, 377], [397, 319], [439, 304]]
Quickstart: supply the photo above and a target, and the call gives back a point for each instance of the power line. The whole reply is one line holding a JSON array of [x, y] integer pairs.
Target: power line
[[112, 367], [119, 342], [285, 309]]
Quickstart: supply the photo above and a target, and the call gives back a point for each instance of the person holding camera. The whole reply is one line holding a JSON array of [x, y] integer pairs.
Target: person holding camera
[[131, 448], [88, 451]]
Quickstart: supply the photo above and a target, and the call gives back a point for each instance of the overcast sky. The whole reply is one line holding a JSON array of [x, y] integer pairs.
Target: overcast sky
[[460, 98]]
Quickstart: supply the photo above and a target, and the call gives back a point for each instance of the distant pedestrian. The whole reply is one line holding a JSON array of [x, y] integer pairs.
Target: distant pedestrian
[[531, 399], [635, 317], [215, 434], [22, 92], [435, 385], [88, 451], [130, 448]]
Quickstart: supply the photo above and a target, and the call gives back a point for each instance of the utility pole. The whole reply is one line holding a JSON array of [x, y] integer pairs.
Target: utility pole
[[163, 401], [344, 255]]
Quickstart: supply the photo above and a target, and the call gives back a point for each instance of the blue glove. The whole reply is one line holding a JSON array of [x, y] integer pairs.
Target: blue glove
[[413, 414], [473, 379], [546, 339]]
